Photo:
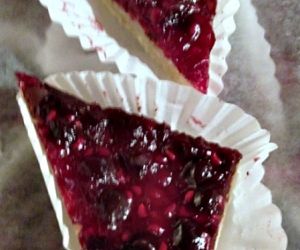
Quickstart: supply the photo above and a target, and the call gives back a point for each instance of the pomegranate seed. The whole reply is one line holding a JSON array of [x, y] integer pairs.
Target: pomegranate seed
[[51, 115], [170, 154], [142, 211], [163, 246], [79, 144], [215, 219], [160, 159], [156, 194], [137, 190], [156, 229], [189, 196], [215, 159], [78, 125], [121, 176], [129, 195], [71, 118], [170, 210], [201, 219], [164, 177], [62, 153]]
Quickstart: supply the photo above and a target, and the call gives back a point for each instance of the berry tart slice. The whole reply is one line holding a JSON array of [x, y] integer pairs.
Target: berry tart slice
[[129, 182], [178, 34]]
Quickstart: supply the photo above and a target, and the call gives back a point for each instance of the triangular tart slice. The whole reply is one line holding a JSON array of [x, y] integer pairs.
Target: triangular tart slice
[[178, 35], [129, 182]]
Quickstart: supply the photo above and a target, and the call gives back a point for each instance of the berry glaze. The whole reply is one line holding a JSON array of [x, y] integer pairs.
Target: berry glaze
[[182, 29], [128, 181]]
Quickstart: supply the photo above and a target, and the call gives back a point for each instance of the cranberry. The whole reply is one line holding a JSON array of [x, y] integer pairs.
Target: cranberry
[[113, 206], [140, 160], [137, 165], [203, 172], [101, 170], [188, 235]]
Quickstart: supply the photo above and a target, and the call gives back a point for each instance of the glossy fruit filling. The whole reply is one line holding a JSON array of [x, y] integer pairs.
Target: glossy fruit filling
[[182, 29], [128, 181]]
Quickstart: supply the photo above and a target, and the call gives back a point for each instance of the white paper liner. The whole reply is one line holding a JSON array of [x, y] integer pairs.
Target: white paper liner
[[251, 221], [78, 20]]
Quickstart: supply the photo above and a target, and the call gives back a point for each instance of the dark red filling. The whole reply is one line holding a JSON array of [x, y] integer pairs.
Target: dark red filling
[[182, 29], [130, 182]]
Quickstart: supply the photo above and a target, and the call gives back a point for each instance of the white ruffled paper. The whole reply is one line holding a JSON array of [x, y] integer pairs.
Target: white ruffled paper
[[78, 20], [252, 221]]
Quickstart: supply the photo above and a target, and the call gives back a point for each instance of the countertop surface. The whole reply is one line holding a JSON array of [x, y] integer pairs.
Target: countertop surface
[[29, 41]]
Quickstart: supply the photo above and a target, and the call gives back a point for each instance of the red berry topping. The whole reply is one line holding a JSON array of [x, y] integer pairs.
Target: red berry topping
[[124, 193], [182, 29]]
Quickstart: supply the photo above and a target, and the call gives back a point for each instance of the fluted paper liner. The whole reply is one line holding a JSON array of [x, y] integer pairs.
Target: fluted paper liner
[[251, 220], [78, 20]]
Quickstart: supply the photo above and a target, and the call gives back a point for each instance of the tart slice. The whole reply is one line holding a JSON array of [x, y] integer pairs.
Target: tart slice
[[177, 34], [129, 182]]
